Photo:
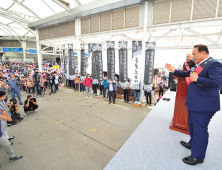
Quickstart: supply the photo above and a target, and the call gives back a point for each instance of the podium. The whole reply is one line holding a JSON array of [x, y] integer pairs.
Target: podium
[[180, 118]]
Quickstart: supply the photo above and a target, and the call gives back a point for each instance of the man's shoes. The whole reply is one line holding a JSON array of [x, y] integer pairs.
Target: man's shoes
[[12, 137], [86, 96], [36, 110], [11, 143], [185, 144], [114, 103], [109, 102], [192, 161], [15, 158], [24, 114], [90, 97], [20, 103]]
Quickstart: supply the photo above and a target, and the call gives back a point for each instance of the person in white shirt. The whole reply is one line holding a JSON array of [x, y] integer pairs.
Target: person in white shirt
[[56, 81]]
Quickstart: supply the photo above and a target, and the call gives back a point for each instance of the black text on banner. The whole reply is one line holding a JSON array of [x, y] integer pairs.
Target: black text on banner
[[149, 65], [111, 59], [71, 60], [123, 62], [136, 63], [83, 60]]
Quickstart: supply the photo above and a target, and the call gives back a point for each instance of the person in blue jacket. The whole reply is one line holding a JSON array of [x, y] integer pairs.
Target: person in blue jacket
[[105, 84], [203, 100]]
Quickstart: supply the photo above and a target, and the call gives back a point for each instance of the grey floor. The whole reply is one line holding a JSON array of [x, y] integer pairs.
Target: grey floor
[[70, 132], [153, 146]]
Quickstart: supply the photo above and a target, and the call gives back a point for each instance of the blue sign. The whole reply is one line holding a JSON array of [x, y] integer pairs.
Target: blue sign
[[32, 51], [13, 50], [75, 54]]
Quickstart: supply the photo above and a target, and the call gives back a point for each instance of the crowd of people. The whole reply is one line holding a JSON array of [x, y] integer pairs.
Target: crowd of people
[[17, 78], [108, 88]]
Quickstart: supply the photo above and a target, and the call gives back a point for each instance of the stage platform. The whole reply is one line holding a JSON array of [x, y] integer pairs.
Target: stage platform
[[153, 146]]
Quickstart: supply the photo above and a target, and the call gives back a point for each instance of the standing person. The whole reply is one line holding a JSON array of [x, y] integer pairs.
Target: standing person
[[52, 83], [37, 82], [56, 81], [136, 95], [188, 64], [126, 91], [105, 85], [161, 87], [3, 87], [82, 79], [203, 101], [4, 111], [88, 83], [5, 144], [112, 89], [14, 89]]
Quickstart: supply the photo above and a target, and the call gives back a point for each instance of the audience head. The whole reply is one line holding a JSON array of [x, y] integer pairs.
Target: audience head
[[188, 57], [2, 95]]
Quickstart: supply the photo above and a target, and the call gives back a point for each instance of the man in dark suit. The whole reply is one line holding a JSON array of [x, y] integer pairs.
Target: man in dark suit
[[203, 100]]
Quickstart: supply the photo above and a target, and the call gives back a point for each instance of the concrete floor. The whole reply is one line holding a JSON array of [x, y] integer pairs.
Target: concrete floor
[[70, 132]]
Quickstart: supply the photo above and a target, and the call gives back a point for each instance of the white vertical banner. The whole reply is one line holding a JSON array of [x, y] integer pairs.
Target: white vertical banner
[[136, 62]]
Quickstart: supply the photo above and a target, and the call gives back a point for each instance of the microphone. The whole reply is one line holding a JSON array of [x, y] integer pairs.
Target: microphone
[[192, 69]]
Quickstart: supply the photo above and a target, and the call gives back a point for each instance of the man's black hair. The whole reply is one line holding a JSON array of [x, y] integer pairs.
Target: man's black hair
[[29, 96], [202, 48], [13, 100], [2, 93]]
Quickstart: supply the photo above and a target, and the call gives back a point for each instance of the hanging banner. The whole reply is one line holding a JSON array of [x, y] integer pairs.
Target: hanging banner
[[97, 65], [111, 59], [100, 63], [64, 56], [83, 62], [136, 61], [149, 65], [123, 63], [71, 60], [89, 64]]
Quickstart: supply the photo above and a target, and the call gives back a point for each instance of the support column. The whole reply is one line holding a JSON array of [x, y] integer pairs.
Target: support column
[[3, 57], [24, 50], [142, 98], [78, 33], [39, 54]]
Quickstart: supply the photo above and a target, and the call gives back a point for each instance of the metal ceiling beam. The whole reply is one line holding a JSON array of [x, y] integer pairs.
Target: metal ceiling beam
[[62, 5], [219, 36], [13, 17], [13, 3], [5, 32], [22, 5], [11, 32], [77, 2], [164, 35], [204, 37], [49, 6]]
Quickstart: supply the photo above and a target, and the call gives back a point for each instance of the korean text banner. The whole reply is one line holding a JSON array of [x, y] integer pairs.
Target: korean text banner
[[97, 63], [64, 56], [71, 60], [90, 52], [111, 59], [136, 64], [83, 62], [123, 62], [149, 65]]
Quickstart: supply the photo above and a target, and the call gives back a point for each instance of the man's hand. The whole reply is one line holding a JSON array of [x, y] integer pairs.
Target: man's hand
[[193, 77], [3, 117], [170, 67], [10, 119]]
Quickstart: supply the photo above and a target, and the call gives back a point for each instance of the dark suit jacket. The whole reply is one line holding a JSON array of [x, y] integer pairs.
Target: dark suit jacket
[[203, 96]]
